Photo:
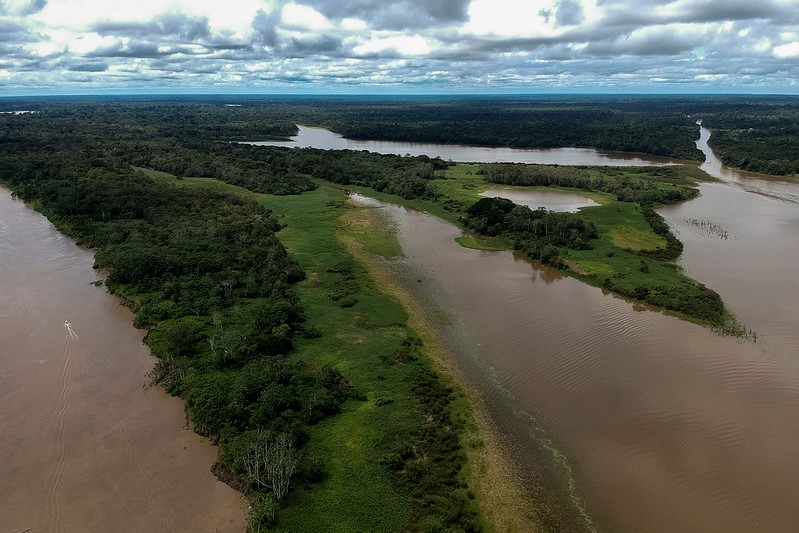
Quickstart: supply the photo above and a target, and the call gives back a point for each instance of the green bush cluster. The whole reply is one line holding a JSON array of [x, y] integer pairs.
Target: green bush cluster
[[427, 461], [536, 233]]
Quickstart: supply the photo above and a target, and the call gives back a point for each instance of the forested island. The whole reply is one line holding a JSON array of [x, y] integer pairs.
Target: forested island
[[295, 362]]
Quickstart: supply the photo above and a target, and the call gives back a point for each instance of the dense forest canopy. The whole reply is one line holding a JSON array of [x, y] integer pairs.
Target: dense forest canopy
[[751, 132], [206, 274]]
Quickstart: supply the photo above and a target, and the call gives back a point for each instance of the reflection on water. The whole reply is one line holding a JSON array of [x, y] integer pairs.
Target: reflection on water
[[84, 446], [549, 200], [322, 138]]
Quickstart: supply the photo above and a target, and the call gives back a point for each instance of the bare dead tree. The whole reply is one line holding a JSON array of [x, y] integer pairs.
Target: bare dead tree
[[271, 463]]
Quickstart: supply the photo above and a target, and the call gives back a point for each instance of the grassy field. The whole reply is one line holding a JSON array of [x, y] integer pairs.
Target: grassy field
[[356, 340], [328, 235], [618, 260], [362, 324]]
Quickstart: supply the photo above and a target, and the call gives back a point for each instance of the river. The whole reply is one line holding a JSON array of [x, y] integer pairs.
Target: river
[[664, 425], [308, 137], [84, 446]]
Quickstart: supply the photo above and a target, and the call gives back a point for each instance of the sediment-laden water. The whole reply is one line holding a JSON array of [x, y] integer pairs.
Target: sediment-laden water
[[664, 425], [84, 446], [549, 200], [325, 139]]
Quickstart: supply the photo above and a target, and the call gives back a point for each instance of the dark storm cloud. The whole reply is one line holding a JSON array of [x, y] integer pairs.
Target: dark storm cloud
[[316, 44], [400, 15], [721, 10], [265, 27], [569, 13], [11, 31], [131, 50], [87, 67], [643, 13], [660, 44]]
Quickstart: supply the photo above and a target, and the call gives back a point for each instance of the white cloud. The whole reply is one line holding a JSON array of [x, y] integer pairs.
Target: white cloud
[[405, 45], [305, 17], [787, 51], [524, 45], [89, 42], [353, 24], [512, 18]]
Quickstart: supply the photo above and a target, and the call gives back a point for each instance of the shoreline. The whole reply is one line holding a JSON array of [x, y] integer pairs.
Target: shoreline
[[107, 437], [502, 498]]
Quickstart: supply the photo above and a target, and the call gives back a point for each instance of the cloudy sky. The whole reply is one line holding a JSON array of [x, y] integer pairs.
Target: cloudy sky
[[403, 46]]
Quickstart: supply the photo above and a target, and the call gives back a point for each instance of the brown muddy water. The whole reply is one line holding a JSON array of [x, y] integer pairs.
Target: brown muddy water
[[549, 200], [321, 138], [84, 446], [663, 425]]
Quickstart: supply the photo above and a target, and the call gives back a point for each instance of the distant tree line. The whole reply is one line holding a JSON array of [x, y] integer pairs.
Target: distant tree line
[[762, 136], [755, 133]]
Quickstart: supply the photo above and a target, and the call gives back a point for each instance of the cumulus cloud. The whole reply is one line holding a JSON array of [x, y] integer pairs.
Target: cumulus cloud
[[21, 7], [399, 15], [404, 45], [167, 25]]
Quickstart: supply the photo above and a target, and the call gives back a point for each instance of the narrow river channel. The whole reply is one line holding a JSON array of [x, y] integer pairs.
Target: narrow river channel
[[84, 446], [664, 425]]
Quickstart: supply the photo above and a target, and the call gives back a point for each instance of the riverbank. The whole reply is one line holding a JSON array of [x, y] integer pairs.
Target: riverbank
[[366, 237], [501, 496], [314, 222], [633, 253], [85, 446], [398, 429]]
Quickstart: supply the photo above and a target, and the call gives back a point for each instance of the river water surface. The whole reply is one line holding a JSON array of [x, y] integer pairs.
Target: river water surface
[[321, 138], [84, 446], [549, 200], [665, 425]]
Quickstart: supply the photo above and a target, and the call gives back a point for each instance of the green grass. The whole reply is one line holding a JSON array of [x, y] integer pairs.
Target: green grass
[[615, 260], [478, 242], [374, 233], [356, 494], [624, 226], [205, 183]]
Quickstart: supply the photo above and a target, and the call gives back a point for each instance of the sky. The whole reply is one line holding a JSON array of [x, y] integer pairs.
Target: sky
[[396, 47]]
